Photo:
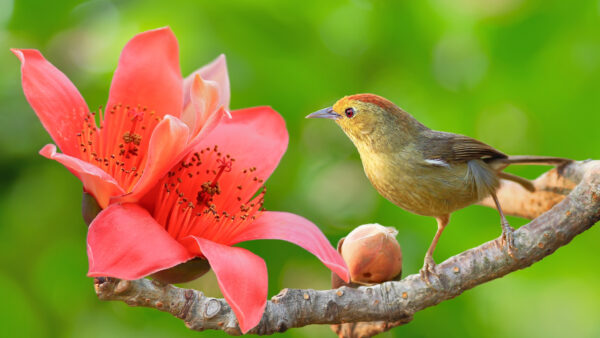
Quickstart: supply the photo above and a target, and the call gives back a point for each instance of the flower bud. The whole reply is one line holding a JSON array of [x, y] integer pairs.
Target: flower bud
[[89, 208], [184, 272], [372, 254]]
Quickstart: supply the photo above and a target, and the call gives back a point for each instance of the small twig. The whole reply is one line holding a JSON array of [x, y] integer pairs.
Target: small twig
[[398, 301]]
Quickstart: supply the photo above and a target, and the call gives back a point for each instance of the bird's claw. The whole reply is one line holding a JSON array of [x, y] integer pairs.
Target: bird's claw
[[507, 238], [428, 270]]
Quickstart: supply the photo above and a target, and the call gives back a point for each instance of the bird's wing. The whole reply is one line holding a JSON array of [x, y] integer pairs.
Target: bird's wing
[[450, 148]]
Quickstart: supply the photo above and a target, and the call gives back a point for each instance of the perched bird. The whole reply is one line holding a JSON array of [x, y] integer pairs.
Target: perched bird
[[426, 172]]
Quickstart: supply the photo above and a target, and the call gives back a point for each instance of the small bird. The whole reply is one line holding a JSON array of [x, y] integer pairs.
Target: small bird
[[426, 172]]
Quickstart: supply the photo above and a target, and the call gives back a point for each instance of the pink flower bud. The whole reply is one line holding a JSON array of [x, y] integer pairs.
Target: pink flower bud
[[372, 254]]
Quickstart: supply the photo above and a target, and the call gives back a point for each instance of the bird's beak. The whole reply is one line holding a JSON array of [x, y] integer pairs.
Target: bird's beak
[[325, 113]]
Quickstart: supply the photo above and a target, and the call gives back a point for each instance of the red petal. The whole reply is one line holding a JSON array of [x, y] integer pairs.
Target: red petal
[[124, 241], [211, 122], [148, 74], [165, 148], [204, 103], [215, 71], [56, 101], [254, 137], [297, 230], [242, 278], [95, 180]]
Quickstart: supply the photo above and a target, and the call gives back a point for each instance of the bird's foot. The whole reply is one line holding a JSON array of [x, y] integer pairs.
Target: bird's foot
[[428, 270], [507, 238]]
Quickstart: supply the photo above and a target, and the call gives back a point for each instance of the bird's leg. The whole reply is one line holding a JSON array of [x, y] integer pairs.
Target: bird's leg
[[507, 230], [429, 266]]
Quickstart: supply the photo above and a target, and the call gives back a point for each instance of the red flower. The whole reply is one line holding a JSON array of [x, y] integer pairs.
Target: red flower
[[148, 123], [203, 206]]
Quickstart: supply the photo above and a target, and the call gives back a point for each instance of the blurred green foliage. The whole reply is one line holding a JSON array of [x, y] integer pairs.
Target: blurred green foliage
[[521, 75]]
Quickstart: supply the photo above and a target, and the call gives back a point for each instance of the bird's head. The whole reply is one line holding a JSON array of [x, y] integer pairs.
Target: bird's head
[[367, 117]]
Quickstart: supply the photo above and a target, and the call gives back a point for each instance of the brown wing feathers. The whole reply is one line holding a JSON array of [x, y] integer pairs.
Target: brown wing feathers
[[450, 148], [466, 149]]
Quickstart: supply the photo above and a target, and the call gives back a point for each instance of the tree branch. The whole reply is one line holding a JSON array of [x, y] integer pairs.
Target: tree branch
[[576, 186]]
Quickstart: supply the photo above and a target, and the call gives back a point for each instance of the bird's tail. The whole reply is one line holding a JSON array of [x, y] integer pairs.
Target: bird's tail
[[535, 160], [525, 183]]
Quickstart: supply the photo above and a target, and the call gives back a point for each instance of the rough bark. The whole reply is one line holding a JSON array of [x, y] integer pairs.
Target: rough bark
[[566, 203]]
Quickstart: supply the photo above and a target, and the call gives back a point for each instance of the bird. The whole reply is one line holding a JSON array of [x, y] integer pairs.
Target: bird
[[424, 171]]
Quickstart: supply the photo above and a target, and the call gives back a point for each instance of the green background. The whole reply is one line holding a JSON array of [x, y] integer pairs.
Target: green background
[[520, 75]]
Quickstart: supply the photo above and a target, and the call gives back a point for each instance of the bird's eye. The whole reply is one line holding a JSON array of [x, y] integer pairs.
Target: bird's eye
[[349, 112]]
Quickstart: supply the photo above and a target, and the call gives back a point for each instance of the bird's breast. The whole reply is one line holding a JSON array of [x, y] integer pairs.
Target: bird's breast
[[424, 188]]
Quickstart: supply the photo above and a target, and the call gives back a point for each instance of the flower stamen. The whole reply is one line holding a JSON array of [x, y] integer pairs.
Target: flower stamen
[[204, 215], [120, 149], [211, 188]]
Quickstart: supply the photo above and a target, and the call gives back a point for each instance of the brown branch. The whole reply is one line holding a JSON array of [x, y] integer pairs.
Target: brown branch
[[398, 301]]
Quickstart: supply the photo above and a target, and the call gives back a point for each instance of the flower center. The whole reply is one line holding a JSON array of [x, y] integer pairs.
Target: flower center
[[119, 145], [211, 188], [207, 196]]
